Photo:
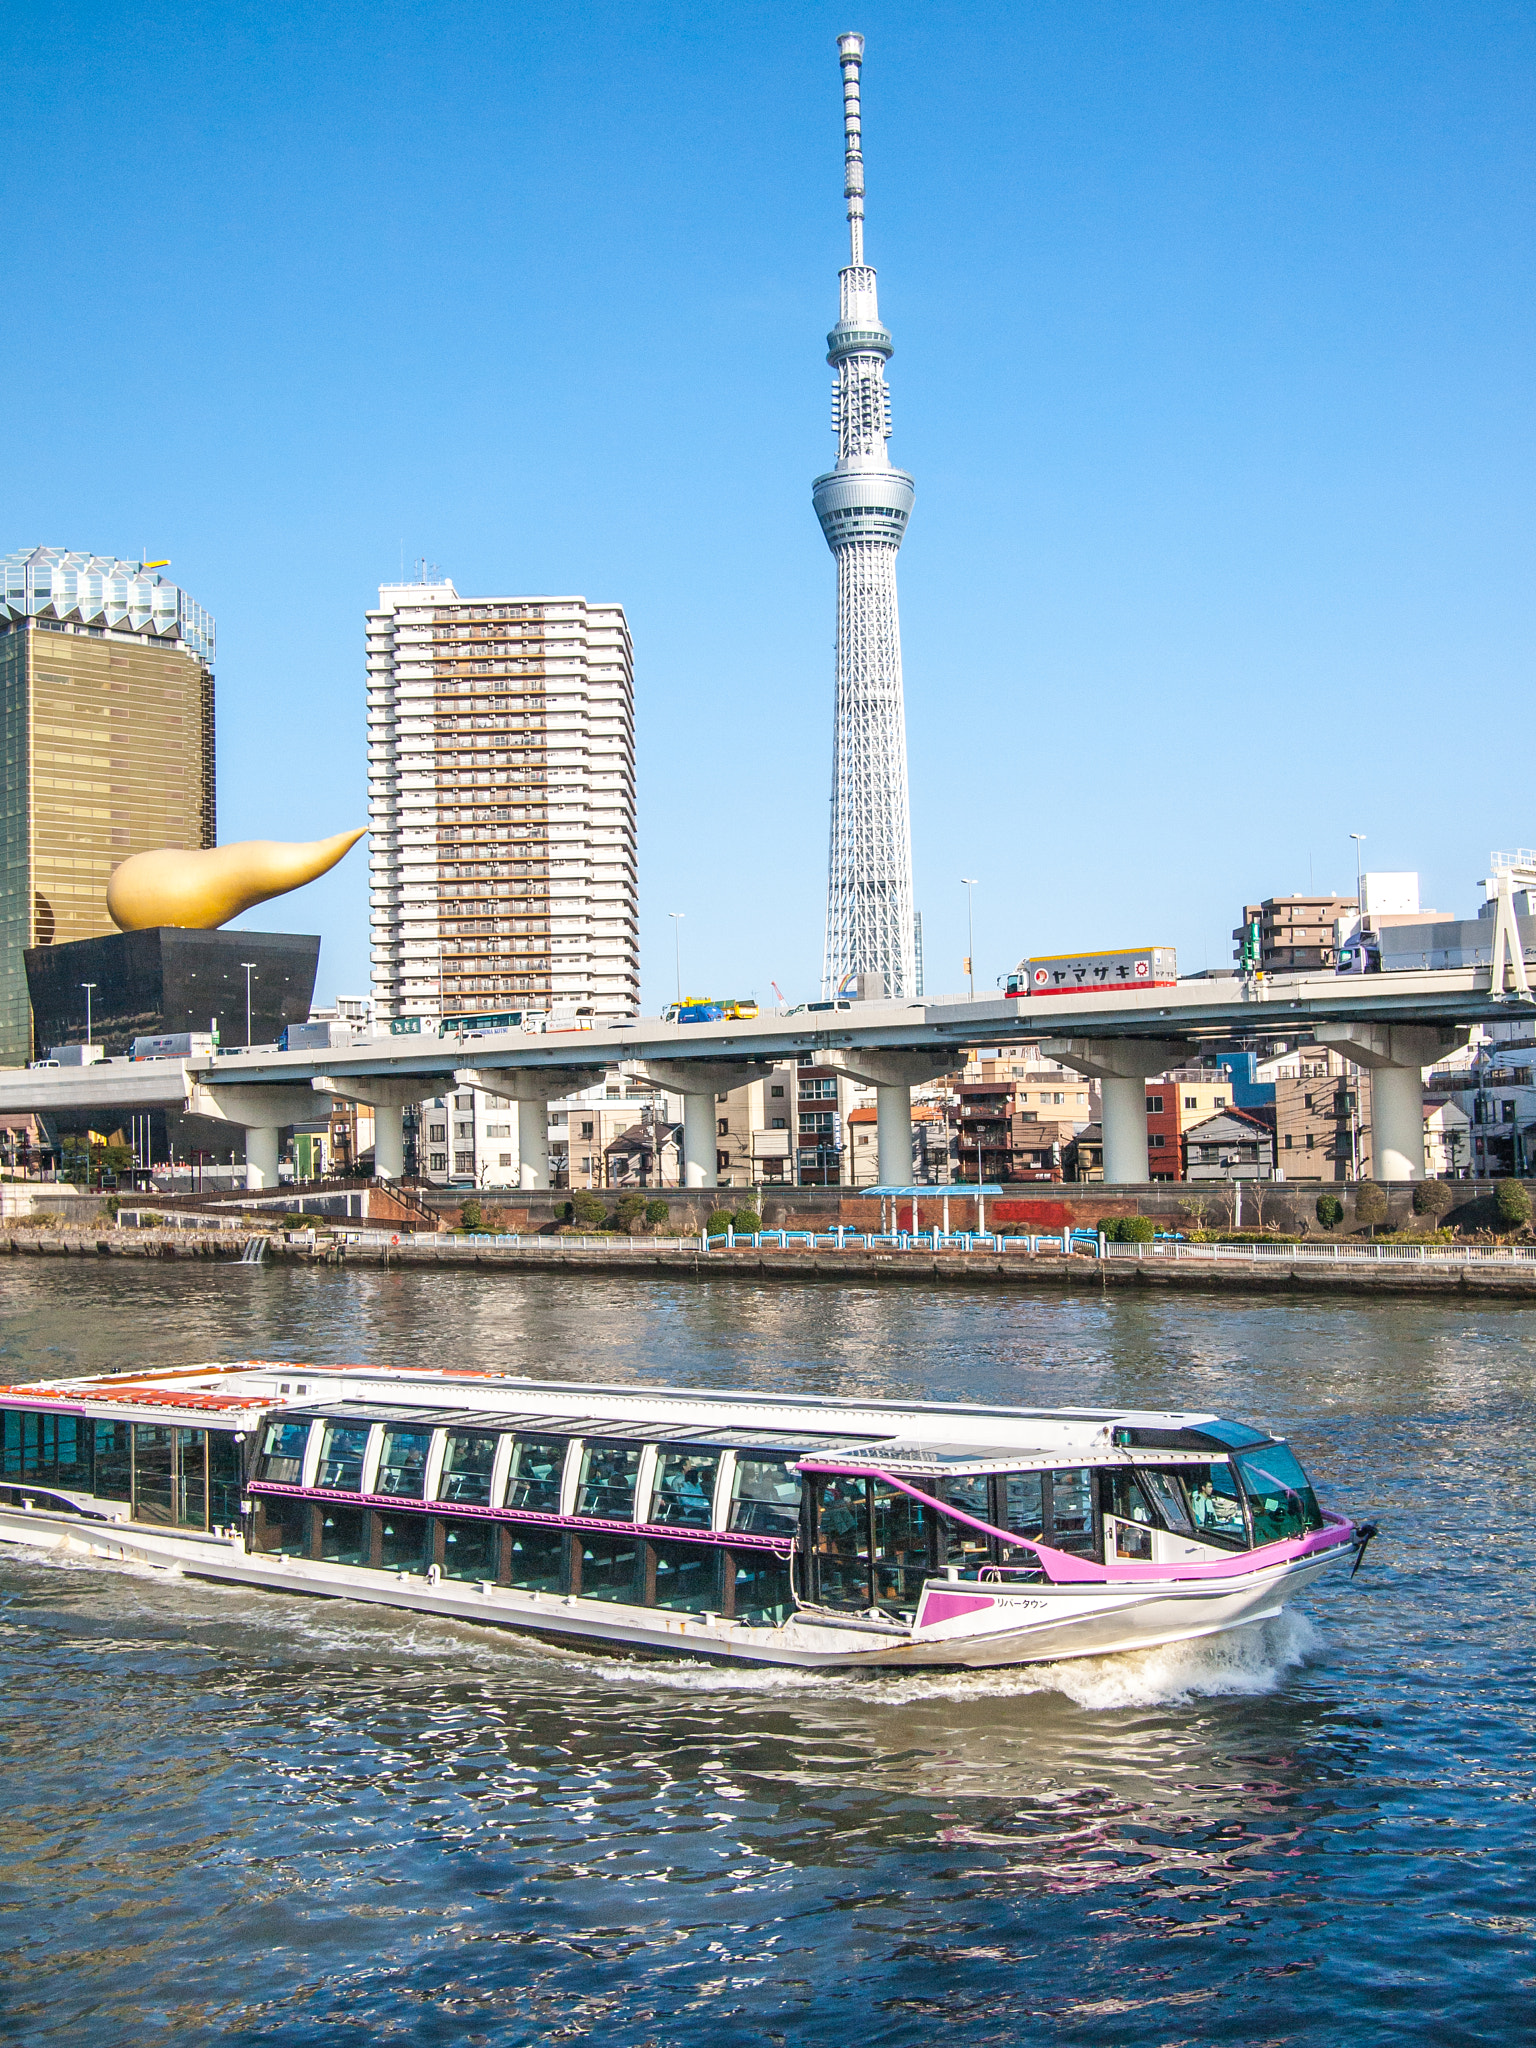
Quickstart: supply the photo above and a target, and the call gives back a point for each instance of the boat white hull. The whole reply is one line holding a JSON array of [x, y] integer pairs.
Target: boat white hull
[[1040, 1623]]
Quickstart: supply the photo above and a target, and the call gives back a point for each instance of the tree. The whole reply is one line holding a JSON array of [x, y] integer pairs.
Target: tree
[[719, 1222], [471, 1216], [656, 1212], [1513, 1205], [748, 1222], [588, 1209], [1108, 1228], [1137, 1230], [631, 1208], [1370, 1204], [1431, 1198], [1330, 1211]]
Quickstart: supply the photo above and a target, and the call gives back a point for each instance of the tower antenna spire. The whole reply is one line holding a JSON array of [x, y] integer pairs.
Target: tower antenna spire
[[850, 50], [863, 504]]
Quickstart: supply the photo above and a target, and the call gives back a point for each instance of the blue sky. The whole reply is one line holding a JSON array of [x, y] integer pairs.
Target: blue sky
[[1213, 361]]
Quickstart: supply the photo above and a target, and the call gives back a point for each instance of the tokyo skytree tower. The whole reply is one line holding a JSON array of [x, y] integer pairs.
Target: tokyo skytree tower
[[863, 505]]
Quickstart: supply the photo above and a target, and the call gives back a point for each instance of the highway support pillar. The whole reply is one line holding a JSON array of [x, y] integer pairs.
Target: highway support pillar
[[530, 1088], [893, 1076], [264, 1110], [1121, 1066], [1396, 1055], [700, 1083], [387, 1097]]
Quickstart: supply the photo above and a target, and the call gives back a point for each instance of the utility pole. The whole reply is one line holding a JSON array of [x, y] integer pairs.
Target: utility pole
[[88, 986], [677, 917], [970, 931], [247, 965], [1359, 839]]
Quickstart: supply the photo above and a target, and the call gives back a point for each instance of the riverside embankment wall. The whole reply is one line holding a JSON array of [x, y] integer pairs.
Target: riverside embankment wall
[[640, 1259]]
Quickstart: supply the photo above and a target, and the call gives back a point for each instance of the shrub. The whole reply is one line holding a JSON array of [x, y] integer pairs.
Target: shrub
[[588, 1209], [1109, 1227], [719, 1221], [1370, 1204], [748, 1221], [1431, 1198], [1330, 1211], [1513, 1205], [1137, 1230], [656, 1212], [471, 1216], [629, 1212]]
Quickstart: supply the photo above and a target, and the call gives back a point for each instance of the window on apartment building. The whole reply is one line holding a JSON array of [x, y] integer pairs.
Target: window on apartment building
[[463, 1162], [1156, 1140], [1311, 1141], [778, 1122], [437, 1134], [722, 1162], [1287, 1141], [1154, 1105], [812, 1121], [586, 1130], [1507, 1112], [811, 1089], [464, 1130], [776, 1089], [506, 1158], [1307, 1100], [722, 1127], [1219, 1101], [1191, 1102], [437, 1162]]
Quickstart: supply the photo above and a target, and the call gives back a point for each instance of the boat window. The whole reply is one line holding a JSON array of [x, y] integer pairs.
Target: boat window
[[282, 1527], [469, 1548], [403, 1542], [154, 1452], [538, 1560], [1127, 1500], [1072, 1511], [534, 1479], [901, 1526], [75, 1452], [468, 1455], [1023, 1504], [1168, 1497], [39, 1444], [343, 1535], [841, 1509], [1211, 1501], [10, 1443], [765, 1497], [685, 1488], [762, 1594], [403, 1463], [972, 1495], [342, 1445], [609, 1567], [1279, 1493], [114, 1461], [607, 1484], [54, 1450], [687, 1577], [281, 1458], [223, 1478]]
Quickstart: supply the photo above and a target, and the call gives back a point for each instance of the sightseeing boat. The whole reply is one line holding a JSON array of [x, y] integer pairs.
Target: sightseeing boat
[[812, 1532]]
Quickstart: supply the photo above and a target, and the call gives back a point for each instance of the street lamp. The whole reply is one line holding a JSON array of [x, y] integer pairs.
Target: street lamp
[[677, 917], [247, 965], [1359, 839], [88, 986], [970, 930]]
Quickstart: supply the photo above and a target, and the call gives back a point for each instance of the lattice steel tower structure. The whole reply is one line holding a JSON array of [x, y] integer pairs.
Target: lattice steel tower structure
[[863, 505]]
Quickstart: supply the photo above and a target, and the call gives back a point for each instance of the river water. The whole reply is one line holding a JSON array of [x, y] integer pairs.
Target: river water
[[240, 1818]]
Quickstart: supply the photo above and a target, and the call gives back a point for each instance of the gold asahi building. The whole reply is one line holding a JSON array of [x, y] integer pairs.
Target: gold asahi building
[[106, 703], [501, 805]]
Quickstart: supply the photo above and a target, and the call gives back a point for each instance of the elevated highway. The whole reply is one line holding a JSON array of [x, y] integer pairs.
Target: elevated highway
[[1395, 1024]]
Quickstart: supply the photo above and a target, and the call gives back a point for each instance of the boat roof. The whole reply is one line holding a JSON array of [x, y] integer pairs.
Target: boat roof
[[862, 1431]]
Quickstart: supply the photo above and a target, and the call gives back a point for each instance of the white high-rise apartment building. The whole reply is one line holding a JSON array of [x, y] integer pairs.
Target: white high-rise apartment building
[[501, 804]]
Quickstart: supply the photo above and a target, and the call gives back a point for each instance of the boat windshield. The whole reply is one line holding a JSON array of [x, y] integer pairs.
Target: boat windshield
[[1279, 1493], [1198, 1500]]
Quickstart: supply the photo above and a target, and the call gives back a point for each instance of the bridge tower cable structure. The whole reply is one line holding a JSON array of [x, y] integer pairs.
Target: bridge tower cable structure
[[863, 504]]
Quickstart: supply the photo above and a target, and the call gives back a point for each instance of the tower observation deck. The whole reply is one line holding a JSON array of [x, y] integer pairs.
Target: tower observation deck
[[863, 505]]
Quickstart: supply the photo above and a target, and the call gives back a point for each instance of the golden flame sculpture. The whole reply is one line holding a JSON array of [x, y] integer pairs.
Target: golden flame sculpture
[[201, 890]]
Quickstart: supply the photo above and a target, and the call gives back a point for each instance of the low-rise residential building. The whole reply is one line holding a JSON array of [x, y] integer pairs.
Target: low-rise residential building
[[1447, 1139], [1297, 934], [1232, 1145], [1322, 1115], [1176, 1100], [754, 1130], [824, 1099], [1494, 1087], [1017, 1116]]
